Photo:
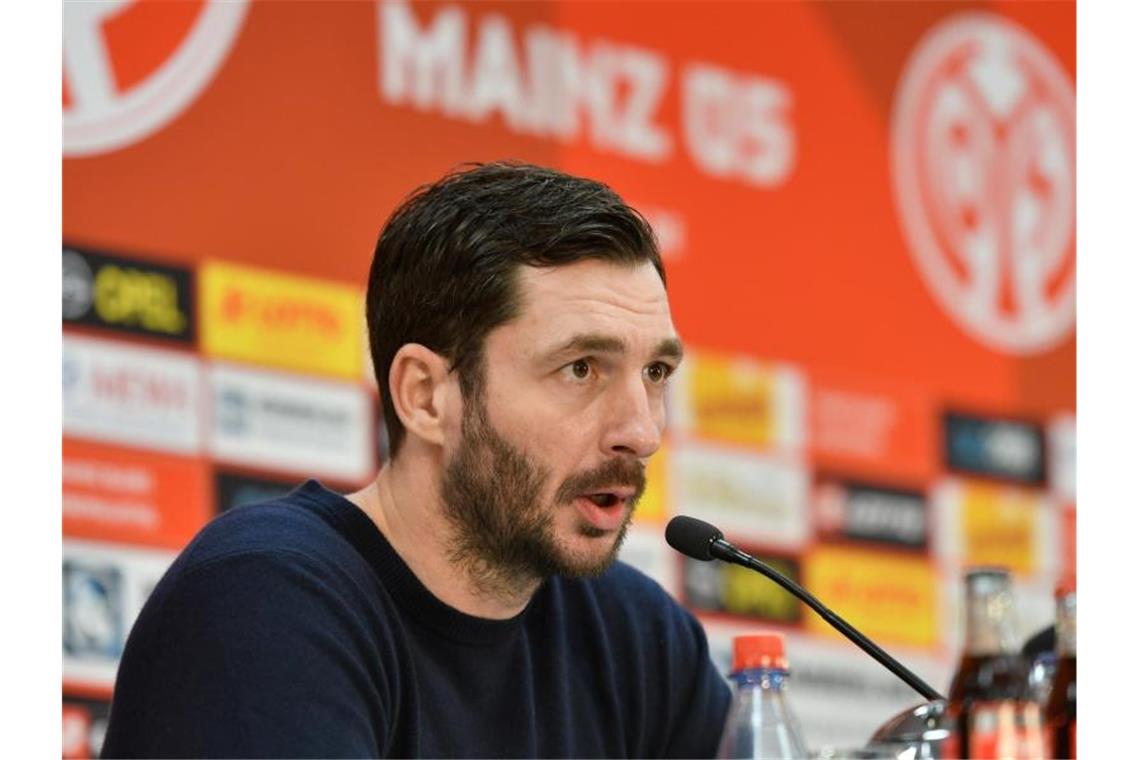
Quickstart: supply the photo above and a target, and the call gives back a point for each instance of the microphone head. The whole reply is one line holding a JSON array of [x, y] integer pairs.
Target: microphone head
[[692, 537]]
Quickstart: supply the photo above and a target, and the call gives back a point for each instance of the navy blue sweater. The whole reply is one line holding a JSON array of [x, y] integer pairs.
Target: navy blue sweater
[[293, 629]]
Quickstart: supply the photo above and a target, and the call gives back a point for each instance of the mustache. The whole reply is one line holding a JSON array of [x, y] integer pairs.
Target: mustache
[[623, 471]]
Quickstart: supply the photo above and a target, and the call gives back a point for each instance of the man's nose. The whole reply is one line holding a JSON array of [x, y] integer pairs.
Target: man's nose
[[635, 421]]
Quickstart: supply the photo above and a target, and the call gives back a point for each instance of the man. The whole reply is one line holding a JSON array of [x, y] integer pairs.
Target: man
[[468, 602]]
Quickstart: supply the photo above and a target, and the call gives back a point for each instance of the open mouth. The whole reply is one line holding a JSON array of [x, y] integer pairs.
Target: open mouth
[[604, 499]]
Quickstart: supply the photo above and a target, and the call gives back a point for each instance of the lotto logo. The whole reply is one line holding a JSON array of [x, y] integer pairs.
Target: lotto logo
[[983, 156], [119, 85]]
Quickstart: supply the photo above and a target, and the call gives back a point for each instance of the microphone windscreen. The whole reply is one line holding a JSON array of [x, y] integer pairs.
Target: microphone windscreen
[[691, 537]]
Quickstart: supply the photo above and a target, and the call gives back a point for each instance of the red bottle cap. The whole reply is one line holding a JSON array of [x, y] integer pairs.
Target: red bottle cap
[[1067, 585], [759, 650]]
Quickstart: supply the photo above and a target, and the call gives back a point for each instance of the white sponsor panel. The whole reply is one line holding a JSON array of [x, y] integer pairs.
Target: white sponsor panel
[[842, 696], [124, 394], [1063, 457], [104, 588], [281, 422], [102, 117], [984, 162], [645, 549], [839, 695], [554, 84], [749, 496]]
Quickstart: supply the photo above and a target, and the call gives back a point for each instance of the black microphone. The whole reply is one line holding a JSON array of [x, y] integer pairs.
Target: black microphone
[[699, 540]]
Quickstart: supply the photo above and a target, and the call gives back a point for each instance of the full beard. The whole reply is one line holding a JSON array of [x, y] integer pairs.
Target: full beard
[[502, 534]]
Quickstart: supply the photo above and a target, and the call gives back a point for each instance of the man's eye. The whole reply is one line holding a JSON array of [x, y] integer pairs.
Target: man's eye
[[658, 372], [580, 369]]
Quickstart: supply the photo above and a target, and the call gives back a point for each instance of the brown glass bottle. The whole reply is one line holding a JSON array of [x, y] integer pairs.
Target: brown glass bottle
[[1061, 709], [995, 713]]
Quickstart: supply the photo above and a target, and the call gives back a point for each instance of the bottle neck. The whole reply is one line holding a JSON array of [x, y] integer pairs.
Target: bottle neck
[[991, 621], [1066, 628], [764, 678]]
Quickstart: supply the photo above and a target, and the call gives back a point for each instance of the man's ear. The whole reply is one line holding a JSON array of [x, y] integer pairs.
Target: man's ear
[[418, 386]]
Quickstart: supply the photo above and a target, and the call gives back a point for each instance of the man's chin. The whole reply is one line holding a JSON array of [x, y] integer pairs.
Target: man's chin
[[592, 552]]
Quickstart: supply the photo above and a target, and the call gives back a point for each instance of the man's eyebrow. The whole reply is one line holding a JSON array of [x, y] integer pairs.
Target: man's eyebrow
[[598, 342], [669, 348]]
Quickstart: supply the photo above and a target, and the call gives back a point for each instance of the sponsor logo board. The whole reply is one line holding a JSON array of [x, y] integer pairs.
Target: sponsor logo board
[[130, 395], [721, 588], [984, 163], [104, 588], [738, 399], [138, 497], [871, 513], [128, 295], [982, 523], [279, 422], [281, 320], [742, 493], [1006, 449], [121, 88], [84, 726], [232, 489], [889, 597]]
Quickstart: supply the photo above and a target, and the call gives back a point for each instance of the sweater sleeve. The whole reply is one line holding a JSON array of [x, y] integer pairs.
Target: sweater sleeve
[[263, 654]]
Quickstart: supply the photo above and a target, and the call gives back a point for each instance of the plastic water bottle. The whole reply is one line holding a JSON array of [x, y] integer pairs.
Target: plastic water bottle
[[759, 722]]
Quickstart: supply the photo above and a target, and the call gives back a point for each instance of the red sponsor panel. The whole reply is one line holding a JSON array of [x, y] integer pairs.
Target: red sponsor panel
[[132, 496], [884, 427]]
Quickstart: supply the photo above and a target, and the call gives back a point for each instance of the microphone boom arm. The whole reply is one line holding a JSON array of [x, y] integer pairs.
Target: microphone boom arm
[[723, 550]]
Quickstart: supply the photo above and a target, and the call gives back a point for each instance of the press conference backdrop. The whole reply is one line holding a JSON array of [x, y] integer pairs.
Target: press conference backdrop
[[866, 212]]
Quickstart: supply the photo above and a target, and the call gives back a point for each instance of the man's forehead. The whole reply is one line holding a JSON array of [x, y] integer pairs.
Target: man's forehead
[[597, 298], [636, 287]]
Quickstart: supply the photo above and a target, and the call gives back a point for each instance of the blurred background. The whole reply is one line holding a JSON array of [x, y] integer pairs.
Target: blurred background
[[866, 212]]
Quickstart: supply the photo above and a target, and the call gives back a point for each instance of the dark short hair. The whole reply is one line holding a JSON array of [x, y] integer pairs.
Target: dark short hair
[[444, 270]]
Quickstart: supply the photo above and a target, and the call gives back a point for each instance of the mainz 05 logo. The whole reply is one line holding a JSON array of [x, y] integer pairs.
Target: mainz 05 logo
[[983, 157], [129, 68]]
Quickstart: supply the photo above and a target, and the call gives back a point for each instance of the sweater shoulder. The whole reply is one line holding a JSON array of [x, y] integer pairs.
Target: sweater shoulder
[[288, 525]]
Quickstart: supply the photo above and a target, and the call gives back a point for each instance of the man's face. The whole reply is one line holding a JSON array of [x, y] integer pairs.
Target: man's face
[[549, 461]]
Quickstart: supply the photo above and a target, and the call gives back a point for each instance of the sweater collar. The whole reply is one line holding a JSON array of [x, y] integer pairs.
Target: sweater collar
[[409, 593]]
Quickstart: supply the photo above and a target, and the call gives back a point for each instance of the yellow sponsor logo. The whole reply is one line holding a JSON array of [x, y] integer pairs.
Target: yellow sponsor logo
[[732, 400], [890, 598], [281, 320], [125, 296], [652, 506], [750, 594], [999, 527]]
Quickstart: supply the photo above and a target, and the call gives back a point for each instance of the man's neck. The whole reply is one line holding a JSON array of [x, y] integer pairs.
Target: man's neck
[[405, 506]]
